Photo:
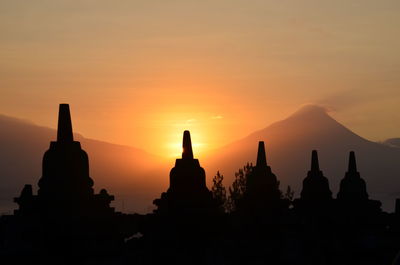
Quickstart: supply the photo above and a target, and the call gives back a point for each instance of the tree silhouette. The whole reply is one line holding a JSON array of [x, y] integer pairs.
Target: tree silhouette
[[218, 191], [289, 194], [238, 188]]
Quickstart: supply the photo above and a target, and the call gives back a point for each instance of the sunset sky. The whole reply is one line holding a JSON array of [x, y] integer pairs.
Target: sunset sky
[[140, 72]]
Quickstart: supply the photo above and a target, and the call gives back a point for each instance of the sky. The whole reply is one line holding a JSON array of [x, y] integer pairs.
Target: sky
[[140, 72]]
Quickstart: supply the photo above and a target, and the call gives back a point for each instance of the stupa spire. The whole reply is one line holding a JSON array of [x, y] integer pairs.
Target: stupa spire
[[187, 151], [64, 132], [314, 161], [261, 157], [352, 162]]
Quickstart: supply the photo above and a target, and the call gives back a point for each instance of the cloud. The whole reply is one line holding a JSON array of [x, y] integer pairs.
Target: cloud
[[190, 120], [316, 106], [217, 117], [345, 99]]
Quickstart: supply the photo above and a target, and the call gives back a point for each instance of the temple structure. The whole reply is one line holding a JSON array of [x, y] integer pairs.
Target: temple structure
[[65, 186], [262, 186], [66, 218], [352, 186], [67, 222], [315, 185], [187, 190], [352, 196]]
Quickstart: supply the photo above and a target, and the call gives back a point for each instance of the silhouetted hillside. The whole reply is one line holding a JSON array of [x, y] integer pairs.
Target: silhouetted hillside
[[288, 146], [393, 142], [134, 176]]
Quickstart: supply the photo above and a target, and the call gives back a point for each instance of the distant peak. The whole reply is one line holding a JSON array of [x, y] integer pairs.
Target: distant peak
[[311, 109], [392, 142]]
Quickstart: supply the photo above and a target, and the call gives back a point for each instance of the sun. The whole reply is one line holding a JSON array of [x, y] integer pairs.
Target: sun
[[198, 144], [204, 128]]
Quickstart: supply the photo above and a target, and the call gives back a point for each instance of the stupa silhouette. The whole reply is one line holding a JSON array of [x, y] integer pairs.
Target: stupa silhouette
[[65, 186], [315, 185], [187, 191], [352, 196], [262, 187], [352, 186]]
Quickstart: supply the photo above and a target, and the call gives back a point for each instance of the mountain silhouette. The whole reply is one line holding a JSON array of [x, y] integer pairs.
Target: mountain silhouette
[[393, 142], [136, 177], [290, 141], [133, 175]]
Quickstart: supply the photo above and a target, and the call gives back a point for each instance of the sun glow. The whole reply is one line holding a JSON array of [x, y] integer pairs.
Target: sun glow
[[176, 149], [198, 144]]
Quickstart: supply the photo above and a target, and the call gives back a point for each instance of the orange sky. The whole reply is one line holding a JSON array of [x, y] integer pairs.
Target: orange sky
[[140, 72]]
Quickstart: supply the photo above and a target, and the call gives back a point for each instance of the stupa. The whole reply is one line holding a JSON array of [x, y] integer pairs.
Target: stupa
[[65, 186], [352, 196], [352, 186], [187, 191], [262, 186], [315, 185]]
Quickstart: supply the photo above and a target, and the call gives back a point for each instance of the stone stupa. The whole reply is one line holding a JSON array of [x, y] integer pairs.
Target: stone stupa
[[65, 186], [187, 191]]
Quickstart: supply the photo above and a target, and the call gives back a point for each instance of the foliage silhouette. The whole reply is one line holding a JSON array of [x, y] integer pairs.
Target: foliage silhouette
[[289, 194], [67, 222], [219, 192], [238, 188]]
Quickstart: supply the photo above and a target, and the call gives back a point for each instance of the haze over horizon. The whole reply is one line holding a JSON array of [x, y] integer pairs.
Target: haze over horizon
[[135, 177], [169, 156], [138, 73], [200, 132]]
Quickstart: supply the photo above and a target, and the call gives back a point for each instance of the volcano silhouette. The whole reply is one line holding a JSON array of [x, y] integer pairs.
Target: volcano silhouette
[[288, 146], [136, 177]]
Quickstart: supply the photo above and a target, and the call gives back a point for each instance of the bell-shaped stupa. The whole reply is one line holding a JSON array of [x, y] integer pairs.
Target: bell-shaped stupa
[[187, 191], [187, 176], [65, 170], [315, 185], [352, 186], [65, 186], [262, 184]]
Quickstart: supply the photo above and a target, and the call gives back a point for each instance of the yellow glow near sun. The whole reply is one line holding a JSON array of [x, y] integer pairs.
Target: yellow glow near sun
[[176, 149], [200, 124], [175, 146]]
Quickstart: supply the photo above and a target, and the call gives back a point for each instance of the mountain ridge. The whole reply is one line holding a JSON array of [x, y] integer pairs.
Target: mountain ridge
[[289, 143], [24, 143], [136, 177]]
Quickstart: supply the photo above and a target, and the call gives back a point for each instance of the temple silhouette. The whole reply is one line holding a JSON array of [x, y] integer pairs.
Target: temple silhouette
[[262, 185], [352, 186], [316, 196], [65, 186], [315, 185], [262, 194], [353, 196], [66, 222], [66, 218], [187, 191]]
